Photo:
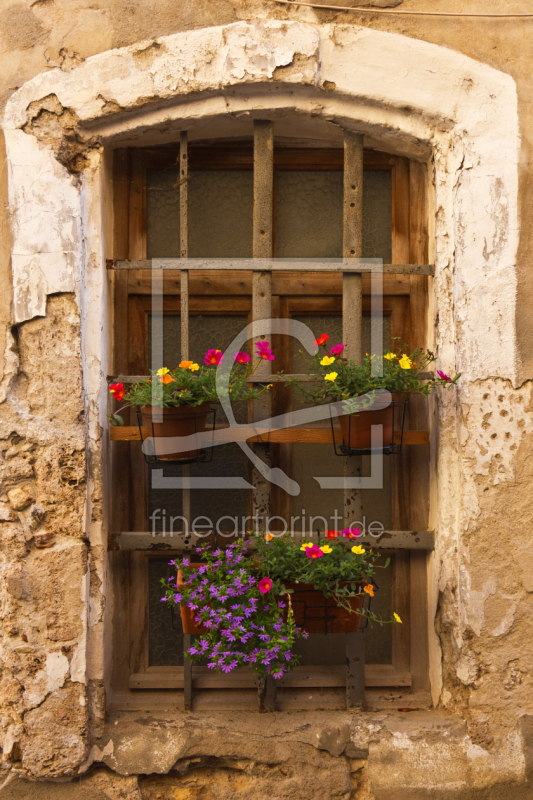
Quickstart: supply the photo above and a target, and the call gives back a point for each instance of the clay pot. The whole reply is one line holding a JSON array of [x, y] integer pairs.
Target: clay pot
[[166, 423], [310, 608], [357, 428], [187, 614]]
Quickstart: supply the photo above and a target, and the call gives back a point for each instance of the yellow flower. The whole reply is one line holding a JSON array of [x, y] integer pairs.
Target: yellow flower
[[305, 546], [358, 550], [331, 376], [194, 367], [327, 360], [269, 537], [326, 548], [390, 356], [396, 617], [163, 371], [405, 362]]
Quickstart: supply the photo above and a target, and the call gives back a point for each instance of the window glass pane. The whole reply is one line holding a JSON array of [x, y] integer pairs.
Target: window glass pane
[[220, 213], [309, 214], [165, 638]]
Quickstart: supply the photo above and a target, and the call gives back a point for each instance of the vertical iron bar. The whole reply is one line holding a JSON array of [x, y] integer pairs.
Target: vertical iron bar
[[262, 310], [184, 317], [352, 322]]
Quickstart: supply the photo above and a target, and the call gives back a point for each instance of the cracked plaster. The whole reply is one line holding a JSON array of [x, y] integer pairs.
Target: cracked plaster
[[417, 99]]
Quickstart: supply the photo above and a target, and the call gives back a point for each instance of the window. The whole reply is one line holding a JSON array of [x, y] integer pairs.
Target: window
[[308, 222]]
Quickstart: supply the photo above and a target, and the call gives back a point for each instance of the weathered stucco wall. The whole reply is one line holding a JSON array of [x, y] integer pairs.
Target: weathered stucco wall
[[405, 94]]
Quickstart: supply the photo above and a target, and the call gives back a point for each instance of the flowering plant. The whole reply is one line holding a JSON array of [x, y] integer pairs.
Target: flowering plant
[[246, 624], [340, 379], [241, 600], [191, 384], [339, 568]]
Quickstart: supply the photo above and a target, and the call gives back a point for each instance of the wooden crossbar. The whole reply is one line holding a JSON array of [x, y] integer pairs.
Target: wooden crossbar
[[272, 265], [178, 541]]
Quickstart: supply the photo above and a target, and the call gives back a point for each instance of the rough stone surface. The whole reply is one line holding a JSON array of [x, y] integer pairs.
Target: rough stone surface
[[430, 88]]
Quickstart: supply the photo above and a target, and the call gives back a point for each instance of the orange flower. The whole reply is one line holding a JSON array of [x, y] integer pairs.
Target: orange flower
[[186, 364], [369, 590], [167, 379], [269, 537]]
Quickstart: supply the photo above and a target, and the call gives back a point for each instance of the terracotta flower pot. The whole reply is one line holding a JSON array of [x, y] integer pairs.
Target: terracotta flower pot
[[188, 614], [357, 428], [167, 423], [310, 608]]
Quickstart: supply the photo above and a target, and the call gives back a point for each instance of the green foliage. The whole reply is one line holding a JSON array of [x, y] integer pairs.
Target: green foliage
[[341, 379]]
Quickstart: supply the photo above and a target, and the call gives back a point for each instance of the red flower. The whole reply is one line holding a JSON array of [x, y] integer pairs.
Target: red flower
[[322, 339], [117, 390], [264, 585], [332, 534]]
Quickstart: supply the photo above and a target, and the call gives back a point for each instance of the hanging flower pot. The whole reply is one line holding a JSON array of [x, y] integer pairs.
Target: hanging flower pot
[[171, 423], [363, 391], [357, 428]]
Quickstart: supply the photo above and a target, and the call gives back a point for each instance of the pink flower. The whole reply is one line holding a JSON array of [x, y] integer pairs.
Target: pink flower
[[264, 585], [242, 358], [337, 349], [264, 351], [213, 357], [443, 376], [351, 534], [314, 551]]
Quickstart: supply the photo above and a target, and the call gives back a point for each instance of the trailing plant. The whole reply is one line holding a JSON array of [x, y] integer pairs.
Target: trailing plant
[[191, 384], [246, 624], [357, 386]]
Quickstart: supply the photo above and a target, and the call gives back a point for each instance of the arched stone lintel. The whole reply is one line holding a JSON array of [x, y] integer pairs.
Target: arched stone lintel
[[406, 95]]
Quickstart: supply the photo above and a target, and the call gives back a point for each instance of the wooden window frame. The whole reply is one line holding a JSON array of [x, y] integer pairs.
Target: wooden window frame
[[291, 292]]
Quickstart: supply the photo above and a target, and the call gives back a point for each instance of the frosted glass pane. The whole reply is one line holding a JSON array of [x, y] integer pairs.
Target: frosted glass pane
[[220, 213], [165, 637], [309, 214]]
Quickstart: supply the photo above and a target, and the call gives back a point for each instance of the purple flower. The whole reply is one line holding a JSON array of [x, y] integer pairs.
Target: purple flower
[[279, 674], [264, 637], [185, 562]]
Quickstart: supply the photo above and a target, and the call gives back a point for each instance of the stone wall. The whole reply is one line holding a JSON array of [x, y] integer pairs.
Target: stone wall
[[52, 513]]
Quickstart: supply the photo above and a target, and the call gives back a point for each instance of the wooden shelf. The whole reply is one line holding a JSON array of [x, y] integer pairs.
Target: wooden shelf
[[322, 435], [301, 677]]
